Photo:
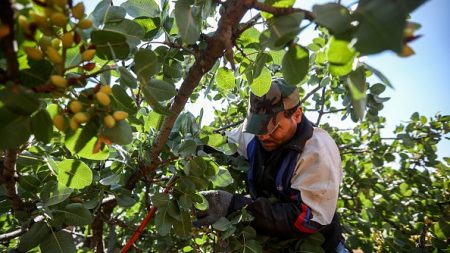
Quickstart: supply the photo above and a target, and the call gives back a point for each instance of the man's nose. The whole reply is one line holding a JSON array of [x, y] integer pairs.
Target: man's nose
[[263, 137]]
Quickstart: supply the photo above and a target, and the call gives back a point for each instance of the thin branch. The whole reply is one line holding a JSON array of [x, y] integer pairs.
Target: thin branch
[[279, 11], [13, 234], [8, 177], [322, 106], [218, 130], [309, 94]]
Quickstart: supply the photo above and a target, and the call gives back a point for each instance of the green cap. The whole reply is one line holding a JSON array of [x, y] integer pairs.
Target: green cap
[[280, 97]]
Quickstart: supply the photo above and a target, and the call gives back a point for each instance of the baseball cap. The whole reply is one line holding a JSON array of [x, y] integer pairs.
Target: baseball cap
[[261, 110]]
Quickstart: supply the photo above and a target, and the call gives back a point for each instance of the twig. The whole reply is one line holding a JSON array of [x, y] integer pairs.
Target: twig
[[218, 130], [309, 94], [322, 105], [13, 234]]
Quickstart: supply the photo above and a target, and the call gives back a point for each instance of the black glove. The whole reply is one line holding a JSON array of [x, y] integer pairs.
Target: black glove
[[219, 205]]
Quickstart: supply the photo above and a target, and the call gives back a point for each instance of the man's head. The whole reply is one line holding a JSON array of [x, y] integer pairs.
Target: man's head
[[274, 116]]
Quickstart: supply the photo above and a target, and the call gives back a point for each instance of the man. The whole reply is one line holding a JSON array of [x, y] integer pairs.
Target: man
[[294, 172]]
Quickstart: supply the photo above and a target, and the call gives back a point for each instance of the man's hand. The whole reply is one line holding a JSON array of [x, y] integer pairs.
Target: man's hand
[[219, 203]]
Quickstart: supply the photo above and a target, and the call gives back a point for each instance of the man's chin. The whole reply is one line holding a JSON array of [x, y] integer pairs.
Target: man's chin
[[269, 146]]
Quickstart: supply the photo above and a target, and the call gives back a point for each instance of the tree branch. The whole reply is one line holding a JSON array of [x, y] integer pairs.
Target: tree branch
[[13, 234], [7, 42], [279, 11], [8, 178]]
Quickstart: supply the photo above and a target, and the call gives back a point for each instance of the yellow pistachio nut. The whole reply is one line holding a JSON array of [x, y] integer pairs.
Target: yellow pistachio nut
[[78, 11], [81, 117], [120, 115], [60, 3], [103, 98], [58, 122], [74, 124], [109, 121], [24, 24], [67, 39], [88, 55], [54, 56], [58, 19], [106, 89], [75, 106], [34, 53], [58, 81], [85, 23], [39, 20]]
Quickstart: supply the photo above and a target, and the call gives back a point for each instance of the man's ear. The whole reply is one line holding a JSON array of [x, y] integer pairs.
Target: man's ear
[[297, 116]]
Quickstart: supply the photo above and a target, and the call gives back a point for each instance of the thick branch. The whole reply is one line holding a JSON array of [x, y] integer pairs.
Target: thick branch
[[7, 176], [7, 43], [279, 11], [234, 12], [11, 235]]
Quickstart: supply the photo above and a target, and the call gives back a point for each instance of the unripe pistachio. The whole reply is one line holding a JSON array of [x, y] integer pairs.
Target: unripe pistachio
[[75, 106], [45, 42], [58, 81], [106, 89], [88, 55], [34, 53], [54, 56], [81, 117], [120, 115], [58, 19], [74, 124], [4, 30], [109, 121], [103, 98], [67, 39], [56, 43], [48, 12], [24, 24], [85, 23], [58, 122], [78, 11]]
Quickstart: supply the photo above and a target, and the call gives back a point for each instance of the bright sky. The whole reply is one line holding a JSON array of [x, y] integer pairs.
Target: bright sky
[[421, 82]]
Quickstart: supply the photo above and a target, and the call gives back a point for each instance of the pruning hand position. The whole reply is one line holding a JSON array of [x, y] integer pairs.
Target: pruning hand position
[[219, 203]]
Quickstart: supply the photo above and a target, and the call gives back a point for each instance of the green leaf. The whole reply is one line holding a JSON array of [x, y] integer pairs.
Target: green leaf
[[104, 12], [340, 57], [281, 30], [121, 133], [295, 64], [38, 73], [378, 73], [249, 36], [126, 78], [15, 132], [160, 199], [110, 45], [188, 24], [29, 183], [277, 3], [222, 224], [124, 197], [122, 101], [87, 150], [131, 30], [146, 64], [152, 100], [225, 79], [34, 236], [151, 27], [183, 227], [58, 194], [333, 16], [185, 202], [141, 8], [76, 214], [381, 25], [261, 85], [74, 174], [59, 242], [377, 88], [187, 148], [42, 126], [110, 180], [19, 101], [252, 246], [163, 222], [222, 179], [161, 90], [357, 84]]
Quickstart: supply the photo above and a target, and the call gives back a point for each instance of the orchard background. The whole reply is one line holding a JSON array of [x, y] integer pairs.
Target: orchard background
[[94, 135]]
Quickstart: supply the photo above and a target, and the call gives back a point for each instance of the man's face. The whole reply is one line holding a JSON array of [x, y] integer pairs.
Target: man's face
[[280, 130]]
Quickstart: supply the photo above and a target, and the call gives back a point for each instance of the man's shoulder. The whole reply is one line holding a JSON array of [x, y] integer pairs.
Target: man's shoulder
[[320, 141]]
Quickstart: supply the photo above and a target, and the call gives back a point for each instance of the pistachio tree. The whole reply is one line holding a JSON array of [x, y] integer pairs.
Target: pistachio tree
[[98, 151]]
